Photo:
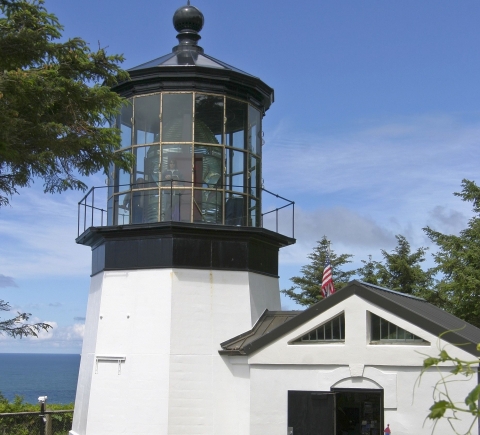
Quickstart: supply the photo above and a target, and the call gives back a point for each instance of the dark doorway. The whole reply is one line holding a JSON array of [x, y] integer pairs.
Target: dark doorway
[[337, 412], [311, 412], [359, 412]]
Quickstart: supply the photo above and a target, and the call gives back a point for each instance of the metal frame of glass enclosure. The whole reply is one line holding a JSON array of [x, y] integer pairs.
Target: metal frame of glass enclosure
[[198, 159]]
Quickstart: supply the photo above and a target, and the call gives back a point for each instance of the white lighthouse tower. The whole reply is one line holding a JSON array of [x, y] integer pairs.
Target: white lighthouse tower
[[183, 262]]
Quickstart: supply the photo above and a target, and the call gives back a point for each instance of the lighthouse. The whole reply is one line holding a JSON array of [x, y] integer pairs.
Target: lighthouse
[[182, 262]]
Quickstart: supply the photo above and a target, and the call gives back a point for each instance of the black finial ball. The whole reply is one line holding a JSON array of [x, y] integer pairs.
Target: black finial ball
[[188, 17]]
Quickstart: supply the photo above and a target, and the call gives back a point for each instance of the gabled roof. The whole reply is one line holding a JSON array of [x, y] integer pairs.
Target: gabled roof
[[267, 322], [416, 310]]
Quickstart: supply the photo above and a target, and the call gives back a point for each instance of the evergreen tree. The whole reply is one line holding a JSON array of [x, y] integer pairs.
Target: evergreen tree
[[55, 102], [400, 270], [368, 272], [16, 326], [307, 288], [458, 262]]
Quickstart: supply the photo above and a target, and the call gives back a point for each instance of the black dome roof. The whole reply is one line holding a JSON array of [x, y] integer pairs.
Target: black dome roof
[[188, 18], [188, 67]]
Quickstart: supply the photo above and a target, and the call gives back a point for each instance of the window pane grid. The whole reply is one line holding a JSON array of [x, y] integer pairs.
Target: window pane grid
[[333, 330], [382, 330], [157, 126]]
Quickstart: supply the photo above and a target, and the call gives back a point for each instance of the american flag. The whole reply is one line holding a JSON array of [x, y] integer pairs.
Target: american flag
[[327, 281]]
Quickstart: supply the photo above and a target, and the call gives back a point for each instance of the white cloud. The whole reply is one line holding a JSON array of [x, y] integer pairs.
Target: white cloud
[[44, 335], [38, 236], [57, 337], [349, 231], [409, 160], [362, 187], [7, 281], [446, 220]]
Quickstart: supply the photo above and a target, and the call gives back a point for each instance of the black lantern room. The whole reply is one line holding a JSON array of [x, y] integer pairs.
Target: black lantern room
[[194, 125]]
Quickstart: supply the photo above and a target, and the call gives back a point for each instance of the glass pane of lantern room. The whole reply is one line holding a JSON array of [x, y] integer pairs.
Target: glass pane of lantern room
[[176, 166], [124, 123], [253, 175], [235, 170], [234, 209], [208, 118], [111, 179], [177, 111], [236, 113], [122, 209], [176, 204], [208, 166], [147, 165], [147, 119], [254, 131], [122, 179], [254, 213], [176, 183], [208, 171], [144, 206], [110, 212]]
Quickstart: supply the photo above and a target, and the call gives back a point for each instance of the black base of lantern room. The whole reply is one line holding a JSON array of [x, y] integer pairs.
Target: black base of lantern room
[[184, 245]]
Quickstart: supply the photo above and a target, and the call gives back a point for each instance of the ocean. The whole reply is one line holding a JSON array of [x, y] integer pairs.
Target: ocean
[[32, 375]]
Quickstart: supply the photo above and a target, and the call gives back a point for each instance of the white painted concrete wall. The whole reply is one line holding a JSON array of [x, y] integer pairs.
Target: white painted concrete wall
[[281, 367], [406, 402], [166, 326], [356, 349]]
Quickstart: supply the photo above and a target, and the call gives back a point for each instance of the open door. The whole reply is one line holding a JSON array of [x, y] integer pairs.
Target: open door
[[338, 412], [311, 413], [359, 412]]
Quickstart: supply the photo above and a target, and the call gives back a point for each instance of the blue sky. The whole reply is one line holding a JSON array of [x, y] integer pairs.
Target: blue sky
[[376, 122]]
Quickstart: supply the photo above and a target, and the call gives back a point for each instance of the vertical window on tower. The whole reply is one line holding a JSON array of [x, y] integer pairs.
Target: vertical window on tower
[[235, 170], [236, 113], [111, 179], [254, 214], [208, 175], [177, 114], [122, 178], [208, 119], [122, 209], [147, 119], [125, 123], [176, 183], [147, 160], [254, 131], [253, 175]]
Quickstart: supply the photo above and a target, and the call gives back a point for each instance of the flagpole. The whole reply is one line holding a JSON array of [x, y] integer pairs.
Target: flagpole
[[328, 287]]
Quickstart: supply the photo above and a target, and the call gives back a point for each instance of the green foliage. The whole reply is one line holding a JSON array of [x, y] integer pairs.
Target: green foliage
[[458, 262], [307, 288], [444, 405], [368, 272], [18, 405], [54, 103], [16, 326], [29, 424], [401, 270]]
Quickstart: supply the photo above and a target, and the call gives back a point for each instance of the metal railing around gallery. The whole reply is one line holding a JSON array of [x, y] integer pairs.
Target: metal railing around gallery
[[279, 217]]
